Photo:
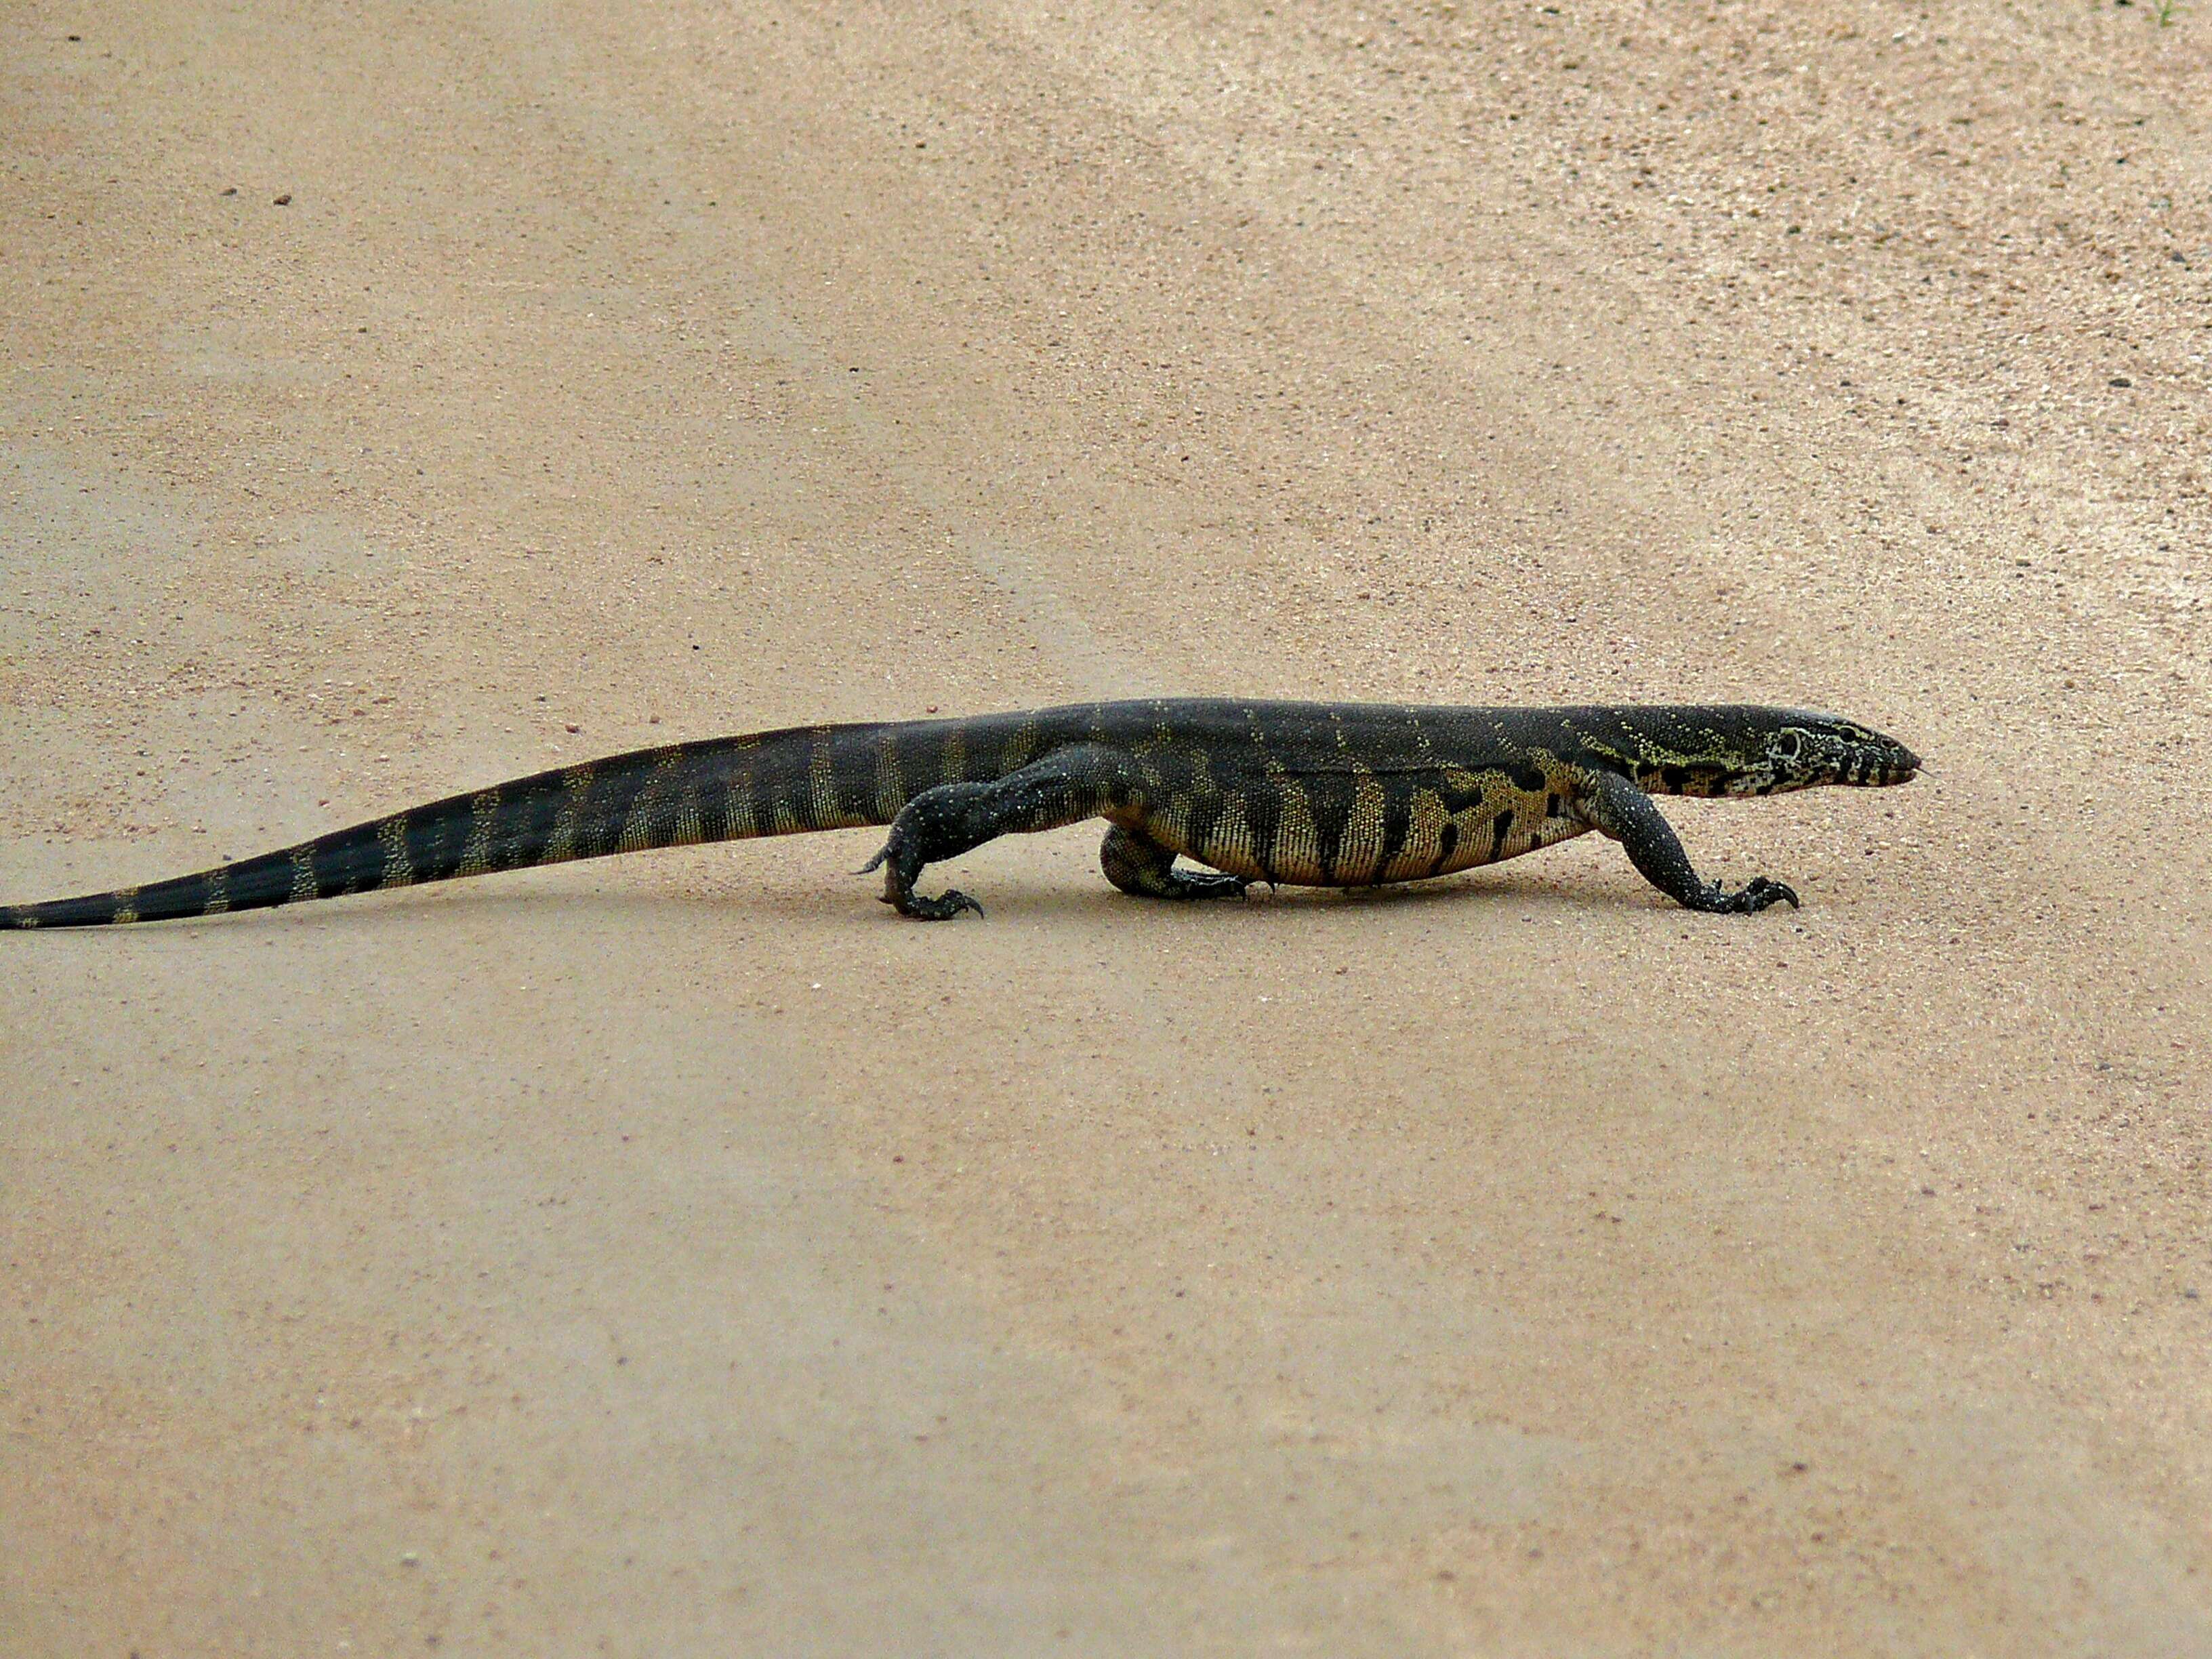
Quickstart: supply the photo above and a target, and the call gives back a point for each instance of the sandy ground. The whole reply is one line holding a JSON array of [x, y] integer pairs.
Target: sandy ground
[[681, 1255]]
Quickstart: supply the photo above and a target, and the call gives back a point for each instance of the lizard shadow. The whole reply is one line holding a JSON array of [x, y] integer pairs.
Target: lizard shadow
[[1038, 897], [1043, 898]]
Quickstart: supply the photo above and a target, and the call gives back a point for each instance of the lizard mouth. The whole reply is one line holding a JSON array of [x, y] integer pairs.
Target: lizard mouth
[[1880, 768]]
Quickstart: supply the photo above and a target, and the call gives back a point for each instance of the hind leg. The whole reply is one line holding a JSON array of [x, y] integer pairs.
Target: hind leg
[[1137, 864], [1066, 786]]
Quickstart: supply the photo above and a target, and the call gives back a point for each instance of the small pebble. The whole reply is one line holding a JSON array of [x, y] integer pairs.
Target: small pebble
[[285, 200]]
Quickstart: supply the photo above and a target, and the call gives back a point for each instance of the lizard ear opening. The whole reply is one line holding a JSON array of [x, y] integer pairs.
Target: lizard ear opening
[[1788, 744]]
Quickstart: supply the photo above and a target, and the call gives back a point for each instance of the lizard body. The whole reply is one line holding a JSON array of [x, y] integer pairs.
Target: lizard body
[[1314, 795]]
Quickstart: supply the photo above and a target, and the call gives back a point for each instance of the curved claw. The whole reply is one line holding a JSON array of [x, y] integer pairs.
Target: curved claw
[[946, 906], [1754, 896], [1763, 892]]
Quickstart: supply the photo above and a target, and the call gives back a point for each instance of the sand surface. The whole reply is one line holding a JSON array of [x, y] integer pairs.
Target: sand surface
[[679, 1255]]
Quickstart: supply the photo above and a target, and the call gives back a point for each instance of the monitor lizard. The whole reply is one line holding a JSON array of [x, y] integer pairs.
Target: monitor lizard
[[1308, 794]]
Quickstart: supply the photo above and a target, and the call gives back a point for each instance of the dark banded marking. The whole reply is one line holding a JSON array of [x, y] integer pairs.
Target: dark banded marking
[[394, 868], [561, 839], [600, 828], [1020, 746], [646, 818], [1201, 816], [822, 805], [889, 794], [1297, 849], [1397, 825], [1423, 835], [688, 825], [483, 820], [652, 817], [1359, 850], [1168, 815], [442, 842], [1447, 844], [186, 897], [1263, 813], [1228, 845], [737, 804], [921, 760], [523, 830], [340, 863], [1463, 790], [712, 804], [1328, 795]]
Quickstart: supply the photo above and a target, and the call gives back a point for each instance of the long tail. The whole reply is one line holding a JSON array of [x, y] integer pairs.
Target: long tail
[[766, 783]]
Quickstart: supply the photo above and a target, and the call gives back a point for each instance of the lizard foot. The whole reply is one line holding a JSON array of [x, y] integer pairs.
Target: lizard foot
[[946, 906], [901, 861], [1755, 896], [1204, 884]]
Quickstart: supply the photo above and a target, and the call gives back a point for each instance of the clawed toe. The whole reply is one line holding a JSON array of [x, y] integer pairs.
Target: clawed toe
[[1749, 899], [1763, 892], [1760, 893], [946, 906]]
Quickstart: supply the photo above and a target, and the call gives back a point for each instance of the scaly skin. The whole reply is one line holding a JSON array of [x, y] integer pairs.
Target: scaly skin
[[1313, 794]]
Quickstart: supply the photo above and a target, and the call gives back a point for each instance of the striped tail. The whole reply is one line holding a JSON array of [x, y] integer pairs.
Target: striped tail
[[767, 783]]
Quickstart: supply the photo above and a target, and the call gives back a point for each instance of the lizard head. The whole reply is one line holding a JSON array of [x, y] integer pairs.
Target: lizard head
[[1806, 749], [1744, 749]]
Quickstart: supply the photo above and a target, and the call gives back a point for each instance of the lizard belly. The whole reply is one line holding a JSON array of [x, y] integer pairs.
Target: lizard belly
[[1364, 832], [1510, 813], [1536, 821]]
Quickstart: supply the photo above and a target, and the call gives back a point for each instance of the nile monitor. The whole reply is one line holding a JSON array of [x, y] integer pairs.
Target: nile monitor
[[1319, 794]]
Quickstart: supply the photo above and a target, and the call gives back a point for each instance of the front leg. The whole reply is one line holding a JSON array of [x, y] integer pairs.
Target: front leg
[[1617, 808]]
